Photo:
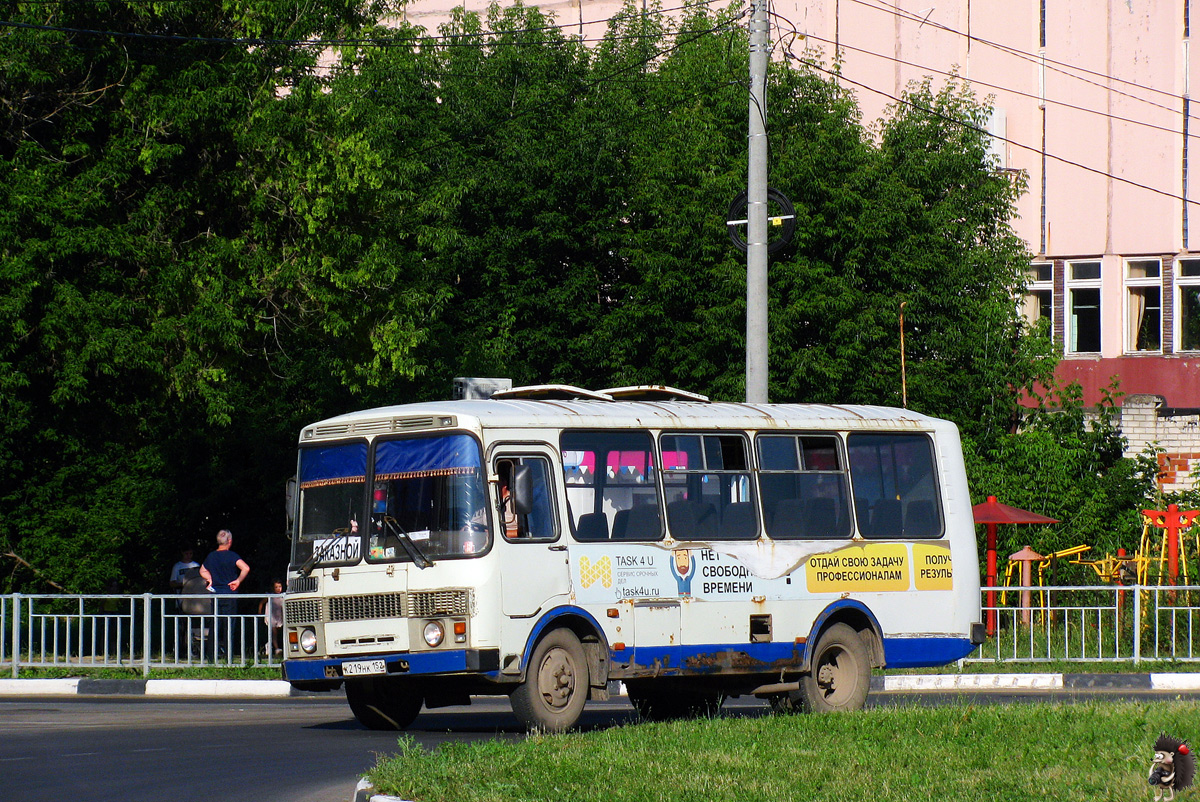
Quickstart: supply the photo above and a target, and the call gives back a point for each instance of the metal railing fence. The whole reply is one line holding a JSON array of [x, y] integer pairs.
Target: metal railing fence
[[144, 631], [1092, 623]]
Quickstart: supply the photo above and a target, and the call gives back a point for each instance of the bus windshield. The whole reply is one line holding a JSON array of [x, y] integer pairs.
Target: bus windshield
[[428, 492], [332, 483]]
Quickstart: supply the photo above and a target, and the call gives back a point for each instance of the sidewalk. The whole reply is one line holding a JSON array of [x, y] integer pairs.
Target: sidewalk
[[274, 688]]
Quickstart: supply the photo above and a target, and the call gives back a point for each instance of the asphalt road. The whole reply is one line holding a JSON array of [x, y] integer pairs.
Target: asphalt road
[[135, 749]]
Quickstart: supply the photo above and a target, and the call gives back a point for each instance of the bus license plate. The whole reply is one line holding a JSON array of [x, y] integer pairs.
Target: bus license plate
[[360, 668]]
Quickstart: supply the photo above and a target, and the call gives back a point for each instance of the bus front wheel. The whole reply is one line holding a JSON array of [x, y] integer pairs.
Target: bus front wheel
[[556, 684], [382, 704], [840, 676]]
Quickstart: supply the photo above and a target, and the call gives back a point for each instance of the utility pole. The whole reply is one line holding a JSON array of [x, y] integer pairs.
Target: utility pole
[[756, 209]]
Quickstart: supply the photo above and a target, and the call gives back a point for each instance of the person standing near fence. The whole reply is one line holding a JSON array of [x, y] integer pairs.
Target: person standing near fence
[[179, 575], [272, 612], [224, 571], [179, 570]]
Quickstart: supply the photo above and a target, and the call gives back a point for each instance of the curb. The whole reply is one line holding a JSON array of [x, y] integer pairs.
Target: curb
[[965, 682], [193, 688], [1036, 682]]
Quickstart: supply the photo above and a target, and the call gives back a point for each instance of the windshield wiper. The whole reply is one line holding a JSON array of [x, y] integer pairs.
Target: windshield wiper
[[320, 554], [418, 557]]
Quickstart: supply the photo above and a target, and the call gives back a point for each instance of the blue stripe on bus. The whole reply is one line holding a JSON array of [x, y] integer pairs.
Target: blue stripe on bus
[[750, 658], [710, 658], [922, 652], [438, 662], [699, 659]]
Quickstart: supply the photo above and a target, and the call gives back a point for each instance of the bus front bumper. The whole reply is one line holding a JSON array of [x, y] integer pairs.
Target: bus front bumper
[[316, 671]]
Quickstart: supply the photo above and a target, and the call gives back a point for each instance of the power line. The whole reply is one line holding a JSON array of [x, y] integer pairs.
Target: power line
[[977, 82], [969, 126], [1036, 59]]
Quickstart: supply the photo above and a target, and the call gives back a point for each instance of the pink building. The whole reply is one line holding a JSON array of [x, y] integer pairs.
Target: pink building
[[1092, 104]]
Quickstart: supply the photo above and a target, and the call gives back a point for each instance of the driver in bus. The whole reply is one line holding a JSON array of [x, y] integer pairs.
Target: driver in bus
[[508, 510]]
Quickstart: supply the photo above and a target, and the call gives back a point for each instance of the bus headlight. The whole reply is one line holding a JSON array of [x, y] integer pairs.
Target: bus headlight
[[308, 641], [434, 632]]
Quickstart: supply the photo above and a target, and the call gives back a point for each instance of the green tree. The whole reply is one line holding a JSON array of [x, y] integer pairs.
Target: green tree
[[206, 241], [172, 295]]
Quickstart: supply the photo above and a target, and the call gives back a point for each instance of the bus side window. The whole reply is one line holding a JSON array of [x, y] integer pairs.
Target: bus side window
[[610, 485], [895, 486], [538, 522], [804, 487], [708, 488]]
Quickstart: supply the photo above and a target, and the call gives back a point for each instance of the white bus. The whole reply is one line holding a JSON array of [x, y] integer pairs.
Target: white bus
[[550, 542]]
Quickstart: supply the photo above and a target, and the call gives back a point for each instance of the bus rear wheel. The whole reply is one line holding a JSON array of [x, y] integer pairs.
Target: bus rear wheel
[[555, 689], [659, 700], [840, 676], [382, 704]]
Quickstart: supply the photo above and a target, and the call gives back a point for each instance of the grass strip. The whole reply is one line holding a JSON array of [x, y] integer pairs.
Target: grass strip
[[135, 672], [1091, 751]]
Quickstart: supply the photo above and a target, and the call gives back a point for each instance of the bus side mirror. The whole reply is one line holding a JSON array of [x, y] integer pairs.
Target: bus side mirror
[[290, 498], [522, 489]]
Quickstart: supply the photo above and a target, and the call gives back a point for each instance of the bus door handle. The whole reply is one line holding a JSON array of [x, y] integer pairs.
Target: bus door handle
[[558, 547]]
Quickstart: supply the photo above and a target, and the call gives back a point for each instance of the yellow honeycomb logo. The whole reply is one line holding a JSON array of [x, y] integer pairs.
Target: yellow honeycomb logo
[[601, 571]]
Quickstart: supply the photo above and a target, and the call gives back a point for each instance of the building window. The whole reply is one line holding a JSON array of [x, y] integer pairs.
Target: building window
[[1083, 313], [1187, 284], [1038, 303], [1143, 305]]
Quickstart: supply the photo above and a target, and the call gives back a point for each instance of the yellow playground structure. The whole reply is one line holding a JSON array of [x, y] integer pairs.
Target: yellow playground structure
[[1156, 561]]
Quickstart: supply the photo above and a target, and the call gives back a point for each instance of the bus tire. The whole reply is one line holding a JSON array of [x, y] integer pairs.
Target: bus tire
[[556, 684], [382, 704], [660, 700], [840, 675]]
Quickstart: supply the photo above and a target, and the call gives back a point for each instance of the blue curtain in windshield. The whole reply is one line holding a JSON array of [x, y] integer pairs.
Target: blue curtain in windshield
[[333, 465], [428, 456]]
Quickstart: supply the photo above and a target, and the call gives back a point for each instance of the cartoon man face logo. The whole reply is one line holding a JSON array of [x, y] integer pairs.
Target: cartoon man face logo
[[683, 566]]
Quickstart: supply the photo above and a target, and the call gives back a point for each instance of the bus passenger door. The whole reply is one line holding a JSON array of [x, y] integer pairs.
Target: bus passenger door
[[531, 542]]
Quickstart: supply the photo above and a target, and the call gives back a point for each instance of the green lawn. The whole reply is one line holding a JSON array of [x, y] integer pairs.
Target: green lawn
[[1086, 752]]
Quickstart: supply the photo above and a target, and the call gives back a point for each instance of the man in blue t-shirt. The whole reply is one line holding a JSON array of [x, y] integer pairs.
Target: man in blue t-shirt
[[224, 571]]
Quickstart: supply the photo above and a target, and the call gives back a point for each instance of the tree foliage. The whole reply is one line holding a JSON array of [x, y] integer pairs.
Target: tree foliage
[[207, 241], [1066, 464]]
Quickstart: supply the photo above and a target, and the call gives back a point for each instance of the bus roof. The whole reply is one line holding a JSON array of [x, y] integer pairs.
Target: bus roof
[[520, 413]]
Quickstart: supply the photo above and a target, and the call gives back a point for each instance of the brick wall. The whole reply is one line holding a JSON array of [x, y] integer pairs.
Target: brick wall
[[1179, 435]]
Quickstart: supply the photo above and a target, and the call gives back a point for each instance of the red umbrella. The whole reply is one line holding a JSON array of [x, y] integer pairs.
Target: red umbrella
[[992, 512]]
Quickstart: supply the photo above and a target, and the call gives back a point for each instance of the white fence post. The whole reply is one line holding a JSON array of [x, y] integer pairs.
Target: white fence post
[[16, 638], [147, 609], [1137, 624]]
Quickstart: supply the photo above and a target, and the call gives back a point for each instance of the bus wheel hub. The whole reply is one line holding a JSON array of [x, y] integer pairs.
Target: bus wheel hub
[[558, 681]]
